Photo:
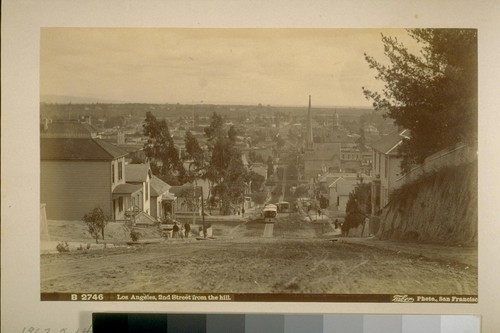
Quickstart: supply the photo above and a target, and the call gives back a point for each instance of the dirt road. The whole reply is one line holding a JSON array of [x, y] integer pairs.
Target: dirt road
[[297, 259]]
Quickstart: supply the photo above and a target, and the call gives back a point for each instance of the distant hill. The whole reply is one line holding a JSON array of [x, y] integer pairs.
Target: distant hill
[[62, 99]]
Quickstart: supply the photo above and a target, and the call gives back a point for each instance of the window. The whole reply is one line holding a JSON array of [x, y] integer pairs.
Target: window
[[120, 204], [147, 191], [120, 170], [386, 165], [112, 173], [379, 162]]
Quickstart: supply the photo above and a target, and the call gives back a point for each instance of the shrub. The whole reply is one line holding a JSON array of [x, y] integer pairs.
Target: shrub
[[96, 221], [135, 235], [62, 247]]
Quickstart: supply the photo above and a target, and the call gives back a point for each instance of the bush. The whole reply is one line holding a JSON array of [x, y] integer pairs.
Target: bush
[[96, 221], [135, 235], [62, 247]]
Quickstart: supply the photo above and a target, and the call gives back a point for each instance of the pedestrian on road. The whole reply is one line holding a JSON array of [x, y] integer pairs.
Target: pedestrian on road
[[175, 234], [243, 211], [187, 229]]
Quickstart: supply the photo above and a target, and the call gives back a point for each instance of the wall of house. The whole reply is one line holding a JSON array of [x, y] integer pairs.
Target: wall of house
[[116, 176], [350, 165], [340, 193], [147, 196], [388, 167], [120, 215], [394, 172], [72, 188], [333, 199], [155, 203], [343, 202]]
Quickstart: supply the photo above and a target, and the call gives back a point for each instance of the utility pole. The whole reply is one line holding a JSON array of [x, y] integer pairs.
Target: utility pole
[[195, 206], [203, 214]]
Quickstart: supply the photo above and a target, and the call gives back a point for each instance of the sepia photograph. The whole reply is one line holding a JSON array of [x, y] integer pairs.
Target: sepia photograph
[[259, 165]]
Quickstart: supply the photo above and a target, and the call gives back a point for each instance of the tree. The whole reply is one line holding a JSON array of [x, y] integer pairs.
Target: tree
[[161, 152], [358, 206], [323, 202], [256, 180], [270, 167], [216, 126], [225, 171], [232, 133], [196, 155], [280, 142], [96, 221], [259, 197], [433, 94]]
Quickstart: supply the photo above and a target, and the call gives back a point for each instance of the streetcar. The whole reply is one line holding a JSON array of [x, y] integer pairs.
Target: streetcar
[[283, 207], [270, 211]]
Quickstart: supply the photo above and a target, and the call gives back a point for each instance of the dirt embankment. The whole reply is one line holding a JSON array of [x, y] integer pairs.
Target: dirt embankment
[[440, 207]]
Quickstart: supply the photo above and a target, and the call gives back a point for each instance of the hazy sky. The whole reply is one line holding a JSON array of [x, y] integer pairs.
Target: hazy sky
[[227, 66]]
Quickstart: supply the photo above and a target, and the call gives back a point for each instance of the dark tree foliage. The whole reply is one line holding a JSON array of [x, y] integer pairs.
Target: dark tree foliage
[[280, 142], [161, 152], [225, 171], [96, 221], [358, 206], [259, 197], [255, 158], [433, 94], [232, 133], [270, 167], [196, 156], [292, 172], [216, 126], [256, 180]]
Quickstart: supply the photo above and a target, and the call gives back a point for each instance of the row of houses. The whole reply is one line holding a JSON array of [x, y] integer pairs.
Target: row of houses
[[384, 176], [80, 172]]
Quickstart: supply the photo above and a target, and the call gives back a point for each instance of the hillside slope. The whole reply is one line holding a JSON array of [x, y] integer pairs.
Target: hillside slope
[[440, 207]]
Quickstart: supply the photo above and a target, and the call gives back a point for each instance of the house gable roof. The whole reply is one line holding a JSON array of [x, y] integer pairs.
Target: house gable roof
[[127, 188], [158, 187], [83, 149], [388, 144], [136, 173]]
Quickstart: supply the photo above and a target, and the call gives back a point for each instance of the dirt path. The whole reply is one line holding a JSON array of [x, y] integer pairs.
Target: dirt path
[[297, 259], [263, 265]]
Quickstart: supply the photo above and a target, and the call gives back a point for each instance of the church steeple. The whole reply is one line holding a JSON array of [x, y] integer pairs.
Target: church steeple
[[336, 122], [309, 133]]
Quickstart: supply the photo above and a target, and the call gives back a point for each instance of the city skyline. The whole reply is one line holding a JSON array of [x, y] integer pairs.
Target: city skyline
[[279, 67]]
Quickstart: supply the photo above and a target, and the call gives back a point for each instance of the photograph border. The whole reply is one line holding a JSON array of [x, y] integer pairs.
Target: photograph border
[[21, 23]]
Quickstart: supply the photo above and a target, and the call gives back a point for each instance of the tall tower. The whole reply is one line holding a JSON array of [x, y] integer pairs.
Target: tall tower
[[309, 133], [336, 122]]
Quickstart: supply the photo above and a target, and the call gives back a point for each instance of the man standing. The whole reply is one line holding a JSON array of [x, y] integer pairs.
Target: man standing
[[175, 234], [187, 229]]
